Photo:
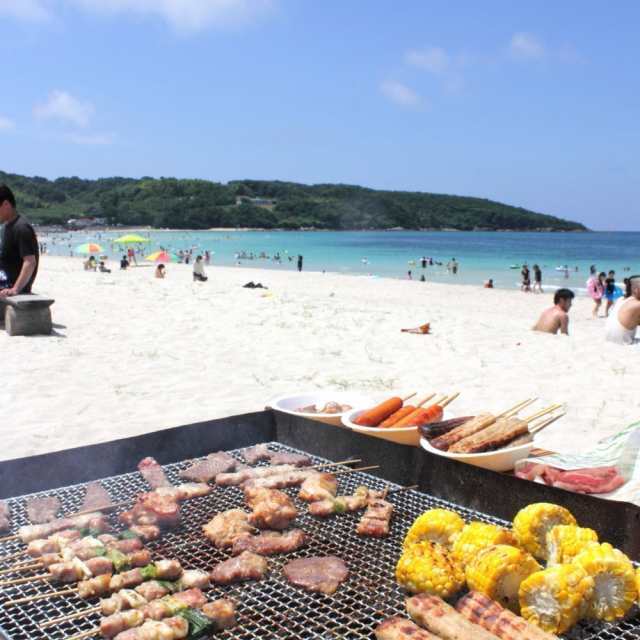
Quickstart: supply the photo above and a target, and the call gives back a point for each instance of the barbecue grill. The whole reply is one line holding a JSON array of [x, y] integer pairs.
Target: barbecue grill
[[271, 608]]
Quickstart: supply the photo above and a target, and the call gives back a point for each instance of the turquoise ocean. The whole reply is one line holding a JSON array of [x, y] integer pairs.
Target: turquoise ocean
[[391, 254]]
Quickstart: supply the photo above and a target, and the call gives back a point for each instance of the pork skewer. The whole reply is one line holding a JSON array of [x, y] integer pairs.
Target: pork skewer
[[126, 599], [295, 478], [376, 519]]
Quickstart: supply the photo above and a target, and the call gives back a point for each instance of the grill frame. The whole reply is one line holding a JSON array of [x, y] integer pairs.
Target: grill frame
[[271, 608]]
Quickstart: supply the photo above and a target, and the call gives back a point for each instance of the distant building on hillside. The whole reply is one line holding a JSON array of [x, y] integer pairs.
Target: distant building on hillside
[[266, 203]]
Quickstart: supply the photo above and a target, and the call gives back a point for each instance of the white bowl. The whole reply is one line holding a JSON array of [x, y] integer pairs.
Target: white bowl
[[290, 404], [399, 435], [500, 460]]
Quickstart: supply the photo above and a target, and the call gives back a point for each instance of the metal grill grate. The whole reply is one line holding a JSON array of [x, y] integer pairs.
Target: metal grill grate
[[271, 608]]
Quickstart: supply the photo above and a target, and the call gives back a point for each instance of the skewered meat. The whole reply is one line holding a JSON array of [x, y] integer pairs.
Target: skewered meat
[[152, 509], [116, 623], [70, 571], [170, 605], [94, 587], [128, 545], [175, 628], [318, 574], [375, 521], [480, 609], [270, 543], [246, 566], [437, 616], [124, 600], [184, 491], [221, 612], [280, 480], [435, 429], [5, 516], [95, 497], [402, 629], [319, 486], [53, 544], [150, 590], [146, 532], [160, 570], [253, 455], [360, 499], [194, 579], [226, 526], [463, 431], [42, 510], [207, 469], [32, 532], [245, 475], [271, 509], [499, 433], [284, 457], [153, 473]]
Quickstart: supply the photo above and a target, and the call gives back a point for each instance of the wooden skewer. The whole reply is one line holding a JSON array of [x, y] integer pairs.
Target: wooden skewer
[[85, 634], [38, 578], [71, 616], [8, 538], [326, 464], [21, 567], [40, 596], [449, 400], [344, 471], [515, 409], [545, 423], [4, 559], [544, 412], [426, 399], [408, 397]]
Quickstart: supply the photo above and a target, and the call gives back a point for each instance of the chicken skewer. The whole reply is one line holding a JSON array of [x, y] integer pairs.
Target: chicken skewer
[[126, 599], [295, 478]]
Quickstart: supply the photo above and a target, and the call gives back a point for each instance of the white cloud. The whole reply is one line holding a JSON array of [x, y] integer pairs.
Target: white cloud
[[400, 93], [93, 139], [61, 105], [526, 45], [435, 60], [6, 124], [27, 10], [184, 15]]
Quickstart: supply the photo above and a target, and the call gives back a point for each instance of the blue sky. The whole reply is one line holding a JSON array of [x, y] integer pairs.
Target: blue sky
[[532, 103]]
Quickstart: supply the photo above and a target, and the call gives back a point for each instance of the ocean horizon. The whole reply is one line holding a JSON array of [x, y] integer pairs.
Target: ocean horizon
[[480, 255]]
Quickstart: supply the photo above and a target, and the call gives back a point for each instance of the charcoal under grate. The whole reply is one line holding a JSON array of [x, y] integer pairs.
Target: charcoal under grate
[[271, 608]]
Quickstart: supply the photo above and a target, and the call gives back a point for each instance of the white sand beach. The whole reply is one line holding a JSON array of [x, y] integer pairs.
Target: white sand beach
[[134, 354]]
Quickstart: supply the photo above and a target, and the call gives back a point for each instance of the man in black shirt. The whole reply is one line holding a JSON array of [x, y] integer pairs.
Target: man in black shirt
[[19, 253]]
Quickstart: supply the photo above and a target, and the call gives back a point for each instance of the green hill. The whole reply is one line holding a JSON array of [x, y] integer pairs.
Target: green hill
[[200, 204]]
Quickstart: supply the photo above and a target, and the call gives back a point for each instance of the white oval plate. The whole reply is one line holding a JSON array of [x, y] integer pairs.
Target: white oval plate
[[400, 435], [290, 404], [500, 460]]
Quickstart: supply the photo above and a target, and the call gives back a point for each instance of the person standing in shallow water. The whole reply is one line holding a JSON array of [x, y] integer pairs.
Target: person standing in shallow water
[[300, 259]]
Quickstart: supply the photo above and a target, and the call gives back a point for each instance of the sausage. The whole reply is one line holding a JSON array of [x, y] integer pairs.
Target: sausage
[[432, 413], [374, 416], [397, 416]]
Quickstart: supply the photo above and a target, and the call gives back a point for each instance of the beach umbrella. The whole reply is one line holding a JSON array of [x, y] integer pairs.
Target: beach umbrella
[[131, 238], [88, 247], [162, 256]]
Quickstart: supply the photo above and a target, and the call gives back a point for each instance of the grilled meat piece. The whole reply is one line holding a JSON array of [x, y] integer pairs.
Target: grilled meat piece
[[284, 457], [128, 545], [146, 532], [436, 429], [361, 497], [480, 609], [31, 532], [270, 543], [185, 491], [53, 544], [437, 616], [195, 579], [124, 600], [375, 521], [116, 623], [70, 571], [246, 475], [492, 437], [153, 473], [150, 590], [41, 510], [272, 509], [5, 516], [207, 469], [175, 628], [279, 480], [256, 454], [465, 430], [170, 605], [246, 566], [226, 526], [95, 587], [152, 509], [317, 574], [318, 486], [402, 629], [95, 497], [221, 612]]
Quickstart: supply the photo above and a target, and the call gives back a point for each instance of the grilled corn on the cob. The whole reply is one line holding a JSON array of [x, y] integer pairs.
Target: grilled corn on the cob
[[476, 536], [566, 541], [532, 523], [615, 589], [436, 525], [556, 598], [425, 567], [497, 572]]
